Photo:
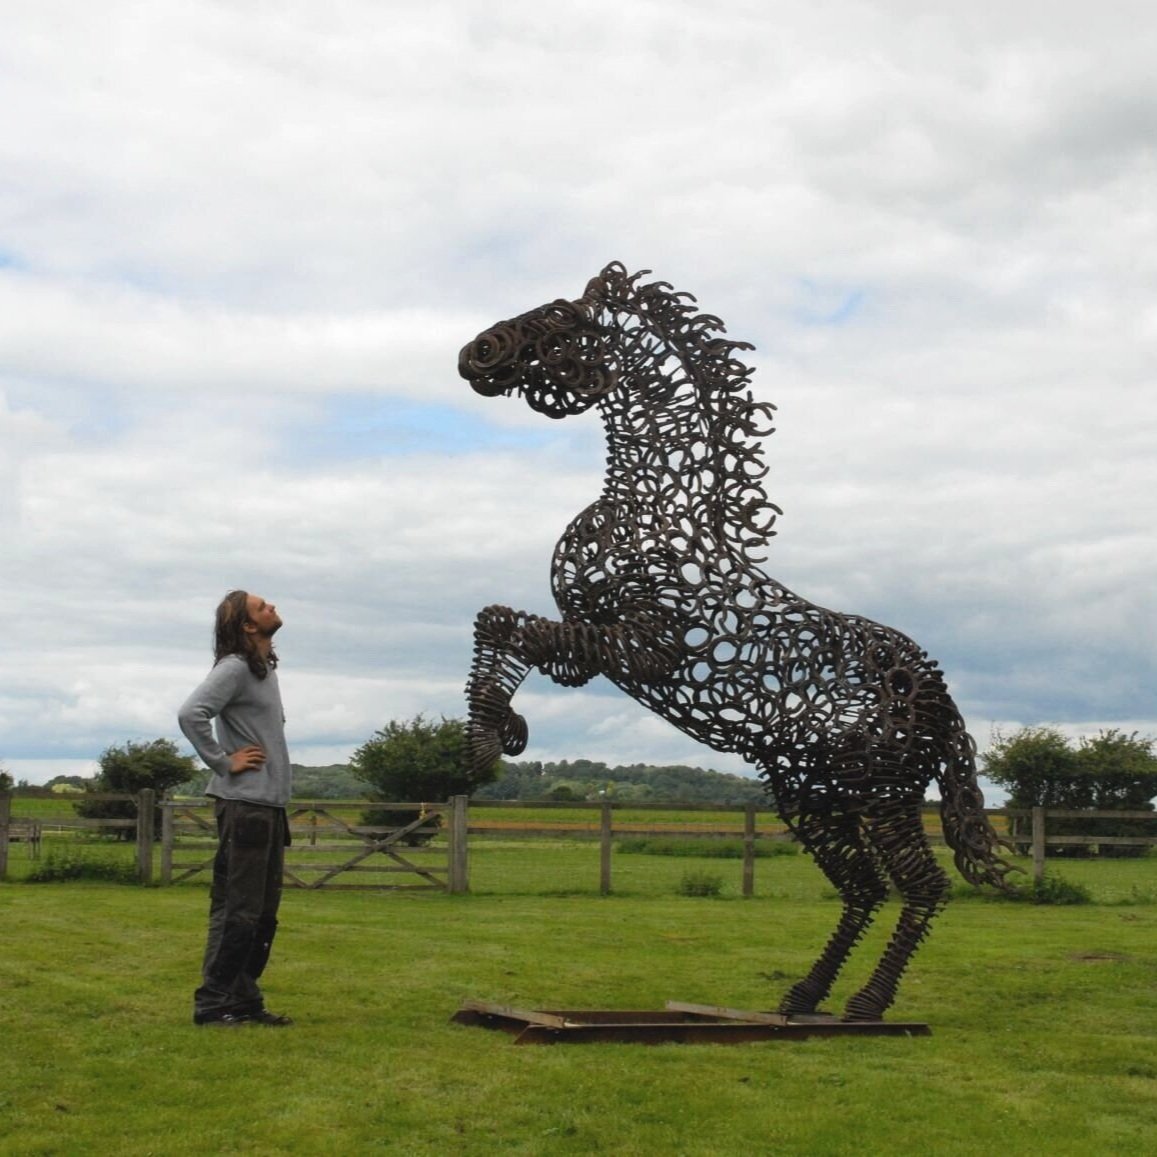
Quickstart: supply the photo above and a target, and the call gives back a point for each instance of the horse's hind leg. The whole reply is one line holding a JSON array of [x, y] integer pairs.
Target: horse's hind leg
[[901, 844], [837, 845]]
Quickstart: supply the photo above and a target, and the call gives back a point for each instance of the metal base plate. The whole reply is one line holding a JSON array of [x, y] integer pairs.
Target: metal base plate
[[678, 1022]]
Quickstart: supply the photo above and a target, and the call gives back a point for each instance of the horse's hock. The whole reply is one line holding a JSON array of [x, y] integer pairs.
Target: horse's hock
[[659, 588]]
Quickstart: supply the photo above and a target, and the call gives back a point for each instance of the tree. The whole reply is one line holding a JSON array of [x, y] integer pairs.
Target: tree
[[417, 761], [1112, 771], [1035, 764], [132, 768], [6, 784], [1123, 769]]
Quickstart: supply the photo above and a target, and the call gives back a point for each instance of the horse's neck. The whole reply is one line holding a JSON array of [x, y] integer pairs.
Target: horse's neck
[[641, 436], [665, 438], [654, 430], [670, 471], [653, 411]]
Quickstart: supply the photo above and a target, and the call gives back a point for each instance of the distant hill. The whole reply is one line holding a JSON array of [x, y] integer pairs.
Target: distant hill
[[333, 782], [584, 779], [568, 779]]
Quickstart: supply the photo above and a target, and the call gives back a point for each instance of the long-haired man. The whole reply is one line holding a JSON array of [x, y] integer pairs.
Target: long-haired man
[[236, 723]]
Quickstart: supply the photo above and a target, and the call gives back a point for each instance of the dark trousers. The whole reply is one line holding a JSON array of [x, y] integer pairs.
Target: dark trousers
[[243, 906]]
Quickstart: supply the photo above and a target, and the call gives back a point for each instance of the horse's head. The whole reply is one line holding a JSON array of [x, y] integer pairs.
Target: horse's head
[[556, 356]]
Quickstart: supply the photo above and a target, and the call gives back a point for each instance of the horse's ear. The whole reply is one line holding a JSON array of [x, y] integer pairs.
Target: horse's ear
[[614, 283], [596, 290]]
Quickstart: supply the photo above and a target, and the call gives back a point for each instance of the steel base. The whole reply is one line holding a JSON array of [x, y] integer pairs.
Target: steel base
[[677, 1023]]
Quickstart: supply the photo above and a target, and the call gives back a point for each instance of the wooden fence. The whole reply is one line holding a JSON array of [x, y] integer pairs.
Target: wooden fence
[[30, 829], [382, 855], [331, 847], [752, 822], [769, 826], [1041, 841]]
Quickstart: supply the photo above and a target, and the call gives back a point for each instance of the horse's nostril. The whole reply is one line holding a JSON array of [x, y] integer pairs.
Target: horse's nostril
[[486, 352], [487, 387]]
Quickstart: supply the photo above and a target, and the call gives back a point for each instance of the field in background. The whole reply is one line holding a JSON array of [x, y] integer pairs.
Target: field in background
[[495, 813], [44, 805], [1043, 1019]]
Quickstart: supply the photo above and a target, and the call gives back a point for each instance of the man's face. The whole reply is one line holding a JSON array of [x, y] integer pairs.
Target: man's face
[[263, 616]]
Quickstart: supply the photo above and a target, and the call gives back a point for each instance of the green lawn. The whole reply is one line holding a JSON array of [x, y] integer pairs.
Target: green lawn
[[1044, 1020]]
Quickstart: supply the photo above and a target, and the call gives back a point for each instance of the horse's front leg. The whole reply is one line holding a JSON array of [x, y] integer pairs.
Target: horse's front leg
[[509, 644], [493, 728]]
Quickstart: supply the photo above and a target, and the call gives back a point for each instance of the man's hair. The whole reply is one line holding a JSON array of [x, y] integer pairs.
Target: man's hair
[[230, 637]]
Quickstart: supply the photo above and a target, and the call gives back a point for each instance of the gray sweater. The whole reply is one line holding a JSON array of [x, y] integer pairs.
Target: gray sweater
[[247, 710]]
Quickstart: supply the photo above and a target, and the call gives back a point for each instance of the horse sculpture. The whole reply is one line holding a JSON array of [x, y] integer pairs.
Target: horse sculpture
[[659, 589]]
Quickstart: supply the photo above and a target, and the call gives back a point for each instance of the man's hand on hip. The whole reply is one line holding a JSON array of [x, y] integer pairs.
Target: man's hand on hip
[[246, 759]]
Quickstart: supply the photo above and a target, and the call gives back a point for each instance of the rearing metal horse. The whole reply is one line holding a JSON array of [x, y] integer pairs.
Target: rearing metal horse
[[659, 590]]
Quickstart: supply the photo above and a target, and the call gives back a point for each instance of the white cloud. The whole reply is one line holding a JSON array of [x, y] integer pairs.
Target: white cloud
[[221, 224]]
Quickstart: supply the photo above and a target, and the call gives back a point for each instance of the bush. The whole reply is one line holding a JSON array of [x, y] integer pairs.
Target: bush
[[700, 883], [1050, 889], [132, 768], [390, 819], [65, 866], [706, 847], [416, 762]]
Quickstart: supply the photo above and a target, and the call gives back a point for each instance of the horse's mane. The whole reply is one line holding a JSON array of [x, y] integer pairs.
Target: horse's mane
[[733, 423]]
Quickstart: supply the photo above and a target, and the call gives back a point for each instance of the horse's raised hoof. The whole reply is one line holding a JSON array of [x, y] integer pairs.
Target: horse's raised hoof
[[513, 734], [483, 747]]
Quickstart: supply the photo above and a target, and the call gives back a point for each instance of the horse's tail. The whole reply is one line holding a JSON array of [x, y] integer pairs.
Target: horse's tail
[[967, 832]]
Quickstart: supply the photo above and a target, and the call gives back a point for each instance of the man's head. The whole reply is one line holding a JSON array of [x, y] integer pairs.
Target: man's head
[[246, 624]]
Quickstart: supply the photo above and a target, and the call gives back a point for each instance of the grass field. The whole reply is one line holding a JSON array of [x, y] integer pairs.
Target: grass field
[[1044, 1020], [44, 807]]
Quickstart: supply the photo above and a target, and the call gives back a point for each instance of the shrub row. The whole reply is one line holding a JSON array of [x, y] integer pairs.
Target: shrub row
[[75, 864], [707, 847]]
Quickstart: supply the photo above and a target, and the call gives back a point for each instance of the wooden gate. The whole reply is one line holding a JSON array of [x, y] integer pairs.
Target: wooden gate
[[330, 847]]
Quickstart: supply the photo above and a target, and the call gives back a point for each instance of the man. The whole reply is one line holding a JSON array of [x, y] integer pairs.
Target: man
[[251, 784]]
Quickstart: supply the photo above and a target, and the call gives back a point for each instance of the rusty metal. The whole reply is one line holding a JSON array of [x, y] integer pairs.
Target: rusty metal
[[677, 1023], [660, 590]]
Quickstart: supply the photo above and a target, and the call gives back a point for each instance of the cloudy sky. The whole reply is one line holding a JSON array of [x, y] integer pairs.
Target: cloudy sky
[[242, 242]]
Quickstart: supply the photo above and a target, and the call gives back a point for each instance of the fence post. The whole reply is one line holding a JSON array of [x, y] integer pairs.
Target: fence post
[[1038, 844], [605, 848], [167, 841], [5, 816], [458, 866], [146, 829], [749, 848]]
